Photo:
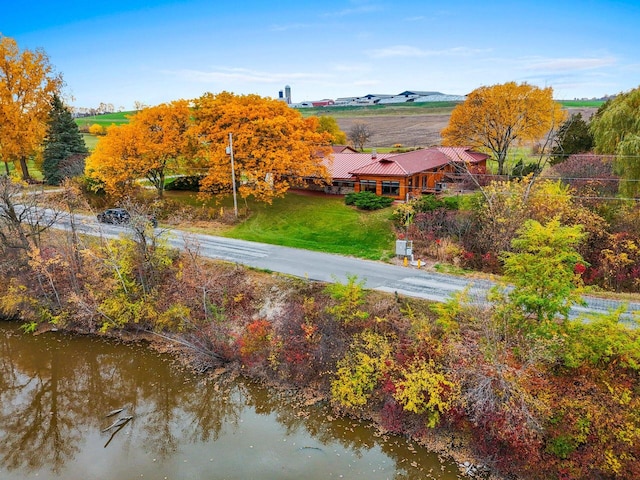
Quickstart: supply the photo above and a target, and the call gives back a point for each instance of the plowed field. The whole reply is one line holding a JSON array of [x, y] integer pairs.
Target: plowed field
[[420, 130]]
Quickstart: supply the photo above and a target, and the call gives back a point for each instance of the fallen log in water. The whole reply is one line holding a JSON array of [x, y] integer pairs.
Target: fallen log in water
[[118, 423], [113, 412]]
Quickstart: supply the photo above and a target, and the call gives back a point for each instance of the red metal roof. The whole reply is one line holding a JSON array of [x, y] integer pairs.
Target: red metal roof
[[463, 154], [343, 166], [339, 165], [343, 149], [410, 163]]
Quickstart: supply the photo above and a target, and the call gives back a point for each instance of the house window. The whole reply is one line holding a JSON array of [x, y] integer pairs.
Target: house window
[[368, 186], [391, 188]]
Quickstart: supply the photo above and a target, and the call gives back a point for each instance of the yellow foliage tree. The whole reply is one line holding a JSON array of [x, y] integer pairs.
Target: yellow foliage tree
[[424, 389], [114, 162], [359, 372], [154, 142], [508, 204], [495, 118], [27, 86], [329, 124], [96, 129], [274, 147]]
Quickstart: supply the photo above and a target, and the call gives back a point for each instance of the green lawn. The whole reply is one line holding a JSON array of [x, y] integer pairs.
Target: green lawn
[[34, 171], [90, 141], [319, 223]]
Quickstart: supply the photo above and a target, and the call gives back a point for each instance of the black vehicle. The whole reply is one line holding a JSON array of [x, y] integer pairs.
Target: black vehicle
[[114, 215], [118, 216]]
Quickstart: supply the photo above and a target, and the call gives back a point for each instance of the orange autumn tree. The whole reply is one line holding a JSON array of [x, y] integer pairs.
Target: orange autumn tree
[[498, 117], [274, 147], [153, 143], [114, 164], [167, 147], [27, 86]]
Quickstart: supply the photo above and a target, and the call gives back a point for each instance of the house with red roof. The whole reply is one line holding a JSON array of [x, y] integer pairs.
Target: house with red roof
[[340, 164], [420, 171], [401, 175]]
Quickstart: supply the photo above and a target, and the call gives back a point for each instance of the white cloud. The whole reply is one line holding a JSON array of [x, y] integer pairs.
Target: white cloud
[[360, 7], [291, 26], [366, 83], [226, 74], [568, 64], [352, 67], [409, 51], [397, 51]]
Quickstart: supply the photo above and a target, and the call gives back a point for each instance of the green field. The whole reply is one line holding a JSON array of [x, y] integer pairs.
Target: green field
[[105, 120], [581, 103]]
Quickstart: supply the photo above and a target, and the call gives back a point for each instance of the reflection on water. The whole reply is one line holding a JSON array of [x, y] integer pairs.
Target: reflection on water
[[56, 390]]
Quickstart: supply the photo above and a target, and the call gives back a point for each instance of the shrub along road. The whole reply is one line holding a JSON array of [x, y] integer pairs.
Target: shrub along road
[[325, 267]]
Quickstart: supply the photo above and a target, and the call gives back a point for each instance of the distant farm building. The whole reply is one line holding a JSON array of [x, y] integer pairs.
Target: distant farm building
[[408, 96]]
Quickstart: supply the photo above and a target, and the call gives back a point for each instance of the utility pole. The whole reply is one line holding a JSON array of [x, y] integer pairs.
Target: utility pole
[[233, 174]]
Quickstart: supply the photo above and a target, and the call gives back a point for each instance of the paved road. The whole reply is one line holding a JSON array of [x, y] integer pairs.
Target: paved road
[[408, 281]]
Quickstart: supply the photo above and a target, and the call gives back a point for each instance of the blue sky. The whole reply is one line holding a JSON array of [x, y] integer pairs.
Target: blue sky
[[122, 51]]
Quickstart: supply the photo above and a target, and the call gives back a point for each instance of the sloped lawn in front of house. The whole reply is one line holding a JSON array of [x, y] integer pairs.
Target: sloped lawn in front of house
[[319, 223]]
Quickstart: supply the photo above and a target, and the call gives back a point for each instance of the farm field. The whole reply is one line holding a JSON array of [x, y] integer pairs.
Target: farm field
[[416, 125], [105, 120]]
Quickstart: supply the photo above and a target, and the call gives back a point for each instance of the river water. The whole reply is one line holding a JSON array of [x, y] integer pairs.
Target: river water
[[56, 390]]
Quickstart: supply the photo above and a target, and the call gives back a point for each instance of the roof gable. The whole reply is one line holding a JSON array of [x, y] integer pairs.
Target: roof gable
[[343, 149]]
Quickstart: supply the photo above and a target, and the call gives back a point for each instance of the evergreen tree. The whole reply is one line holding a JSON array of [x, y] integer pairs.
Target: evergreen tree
[[64, 147], [573, 137]]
